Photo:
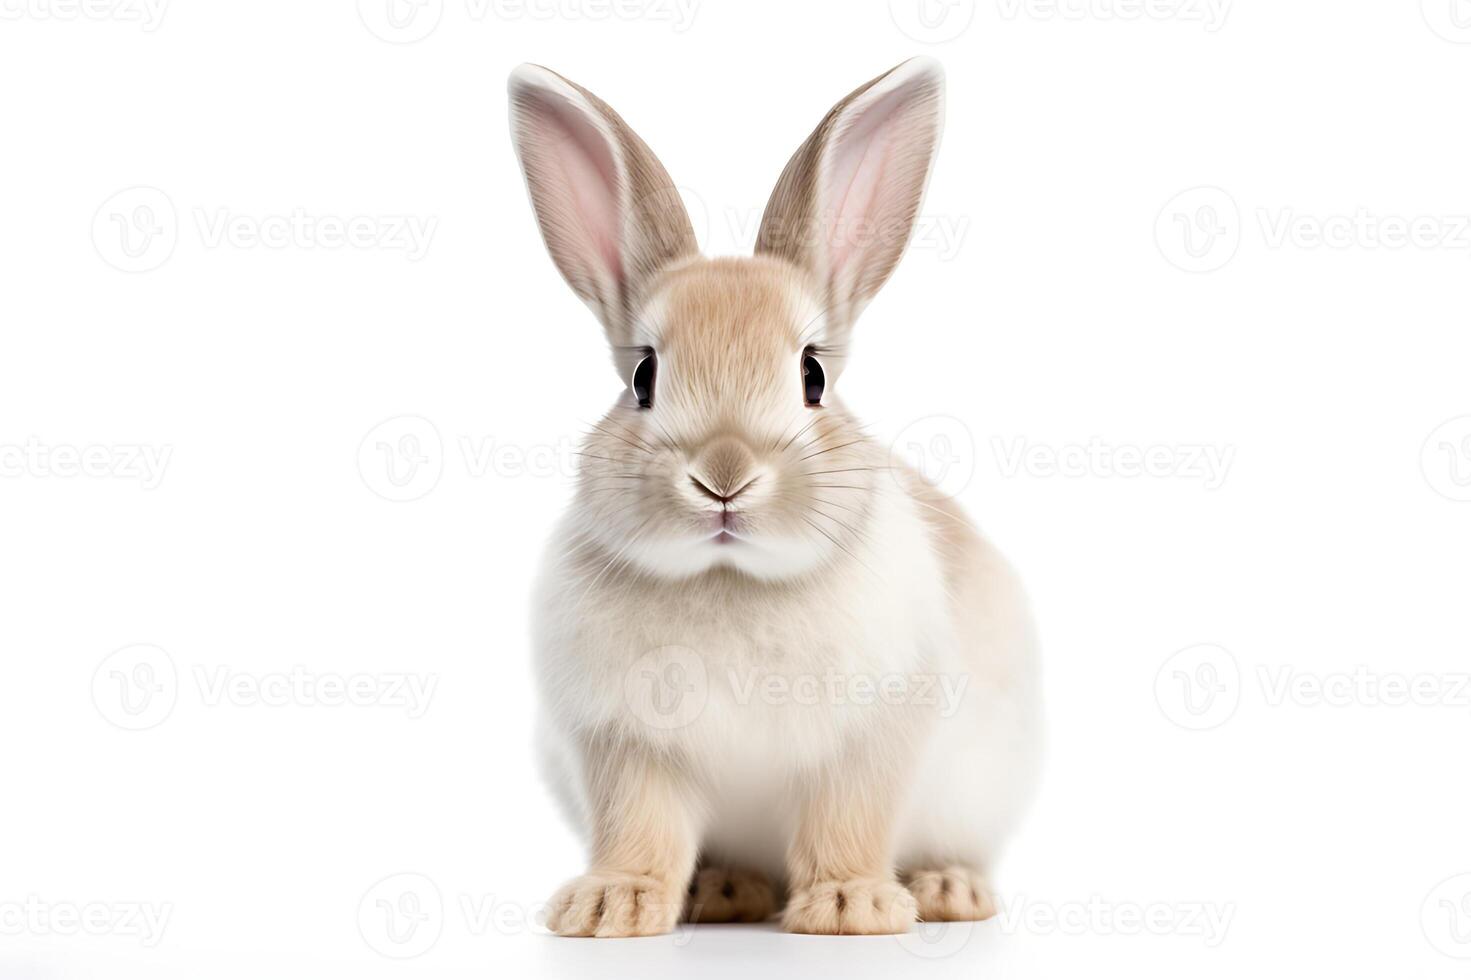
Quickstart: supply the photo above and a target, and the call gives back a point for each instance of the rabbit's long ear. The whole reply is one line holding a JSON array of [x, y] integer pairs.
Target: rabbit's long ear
[[846, 203], [609, 213]]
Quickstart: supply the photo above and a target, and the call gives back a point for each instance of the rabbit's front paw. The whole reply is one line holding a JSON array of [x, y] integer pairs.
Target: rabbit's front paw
[[612, 904], [857, 907]]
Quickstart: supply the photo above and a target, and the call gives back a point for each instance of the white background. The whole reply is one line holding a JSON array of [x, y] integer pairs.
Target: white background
[[1066, 311]]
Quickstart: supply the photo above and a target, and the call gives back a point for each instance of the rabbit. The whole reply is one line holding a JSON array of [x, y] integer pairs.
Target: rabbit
[[777, 670]]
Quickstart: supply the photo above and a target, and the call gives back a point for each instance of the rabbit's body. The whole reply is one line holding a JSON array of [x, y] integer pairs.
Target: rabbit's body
[[747, 730], [760, 642]]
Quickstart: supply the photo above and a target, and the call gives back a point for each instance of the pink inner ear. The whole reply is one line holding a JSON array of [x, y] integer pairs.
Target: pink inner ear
[[857, 167], [586, 182]]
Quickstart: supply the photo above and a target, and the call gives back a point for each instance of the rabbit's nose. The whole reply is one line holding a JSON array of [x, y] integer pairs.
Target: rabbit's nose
[[725, 470]]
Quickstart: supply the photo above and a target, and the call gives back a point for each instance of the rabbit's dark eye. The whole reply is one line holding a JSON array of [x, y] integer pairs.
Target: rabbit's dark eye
[[813, 380], [643, 380]]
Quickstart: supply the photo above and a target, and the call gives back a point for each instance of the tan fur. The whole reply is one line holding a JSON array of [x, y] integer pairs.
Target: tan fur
[[838, 863], [797, 223], [656, 227], [643, 846]]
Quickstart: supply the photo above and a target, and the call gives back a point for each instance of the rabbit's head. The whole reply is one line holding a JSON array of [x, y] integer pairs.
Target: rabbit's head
[[729, 446]]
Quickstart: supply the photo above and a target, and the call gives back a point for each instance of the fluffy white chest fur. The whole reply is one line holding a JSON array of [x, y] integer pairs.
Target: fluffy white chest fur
[[756, 688]]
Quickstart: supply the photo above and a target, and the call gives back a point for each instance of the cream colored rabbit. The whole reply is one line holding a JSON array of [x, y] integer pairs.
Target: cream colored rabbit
[[773, 662]]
